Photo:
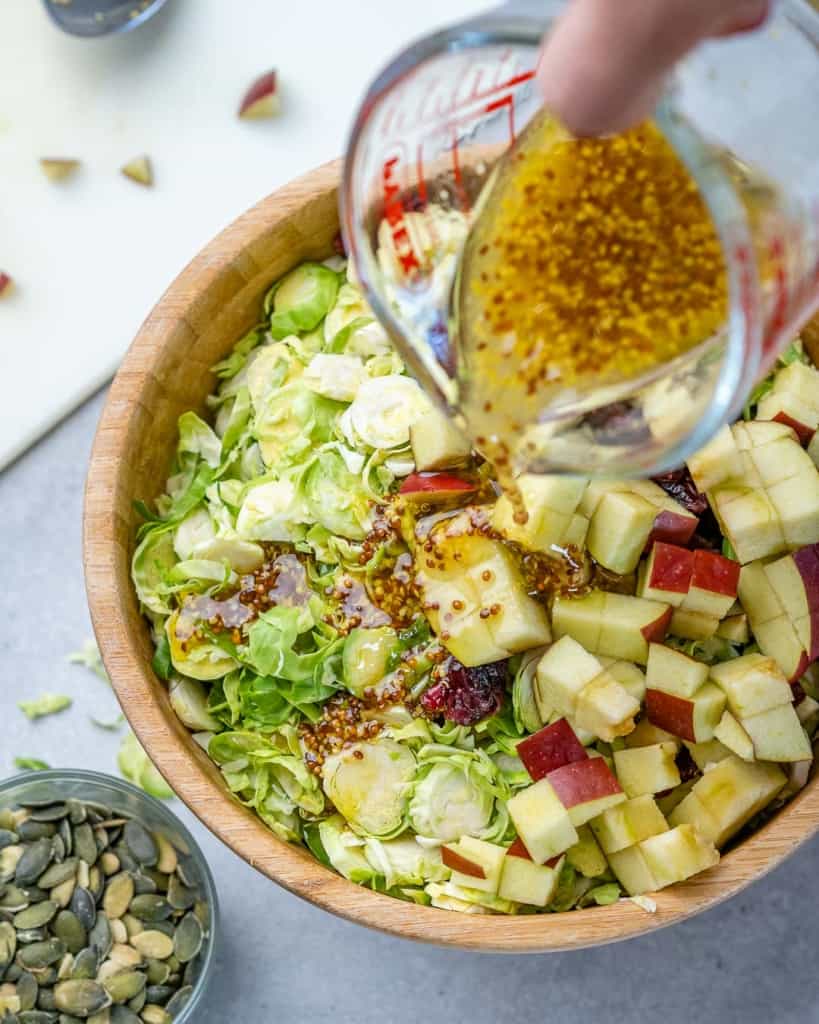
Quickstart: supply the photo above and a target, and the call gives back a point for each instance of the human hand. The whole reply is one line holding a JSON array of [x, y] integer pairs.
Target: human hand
[[603, 65]]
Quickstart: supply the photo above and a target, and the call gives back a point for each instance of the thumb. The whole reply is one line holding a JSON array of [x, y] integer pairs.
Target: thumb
[[603, 66]]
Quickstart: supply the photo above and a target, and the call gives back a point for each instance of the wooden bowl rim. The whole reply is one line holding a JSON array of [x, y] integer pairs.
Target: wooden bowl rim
[[285, 864]]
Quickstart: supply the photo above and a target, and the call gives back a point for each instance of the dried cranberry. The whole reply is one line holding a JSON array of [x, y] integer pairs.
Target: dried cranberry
[[680, 486], [686, 765], [467, 695]]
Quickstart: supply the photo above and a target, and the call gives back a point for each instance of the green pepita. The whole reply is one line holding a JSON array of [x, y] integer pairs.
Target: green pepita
[[124, 1015], [188, 939], [35, 859], [81, 998], [179, 1001], [46, 1000], [68, 927], [149, 907], [103, 1017], [35, 916], [8, 944], [168, 857], [28, 935], [124, 986], [8, 837], [32, 1016], [13, 899], [67, 836], [153, 1014], [58, 849], [30, 830], [141, 843], [109, 862], [86, 963], [143, 884], [159, 994], [58, 873], [85, 845], [180, 896], [100, 938], [138, 1001], [61, 894], [9, 859], [54, 812], [41, 954], [119, 932], [153, 944], [158, 972], [84, 907], [126, 956], [27, 989], [118, 895]]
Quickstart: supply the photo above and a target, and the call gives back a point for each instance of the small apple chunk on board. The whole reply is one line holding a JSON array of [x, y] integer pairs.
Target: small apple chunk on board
[[473, 592], [475, 864], [523, 881], [586, 789], [550, 748], [678, 697], [628, 823], [551, 503], [541, 821]]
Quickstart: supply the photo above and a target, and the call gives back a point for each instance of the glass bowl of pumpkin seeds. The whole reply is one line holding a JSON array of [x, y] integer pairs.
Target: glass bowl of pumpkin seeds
[[108, 910]]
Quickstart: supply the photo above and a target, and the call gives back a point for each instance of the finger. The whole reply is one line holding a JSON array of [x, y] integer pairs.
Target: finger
[[603, 66]]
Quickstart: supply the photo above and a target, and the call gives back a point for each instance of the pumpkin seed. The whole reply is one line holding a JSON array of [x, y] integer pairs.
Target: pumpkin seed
[[58, 849], [153, 1014], [81, 997], [109, 862], [177, 1003], [44, 976], [28, 935], [30, 830], [127, 956], [124, 1015], [76, 811], [153, 944], [85, 845], [54, 812], [66, 967], [27, 990], [66, 1018], [103, 1017], [85, 964], [108, 969], [8, 944], [143, 884], [32, 1016], [101, 838], [149, 907], [159, 994], [61, 894], [188, 939], [58, 873], [83, 874], [119, 933], [138, 1001], [168, 857], [8, 837], [13, 899], [202, 912], [71, 930], [97, 811], [96, 883], [84, 907], [157, 972], [65, 833], [100, 938], [124, 986], [118, 895], [173, 965], [141, 843], [10, 857], [35, 916], [41, 954], [9, 1005], [35, 859], [46, 1000]]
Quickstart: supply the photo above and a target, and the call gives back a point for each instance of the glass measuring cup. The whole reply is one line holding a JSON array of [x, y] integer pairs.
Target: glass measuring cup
[[741, 114]]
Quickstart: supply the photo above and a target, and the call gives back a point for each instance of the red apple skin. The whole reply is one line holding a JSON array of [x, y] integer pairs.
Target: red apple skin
[[672, 713], [656, 631], [671, 528], [456, 862], [807, 562], [550, 749], [554, 861], [5, 283], [583, 781], [671, 568], [435, 486], [716, 573], [517, 849], [803, 432], [264, 88]]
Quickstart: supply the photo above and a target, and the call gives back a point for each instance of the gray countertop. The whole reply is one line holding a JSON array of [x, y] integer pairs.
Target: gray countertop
[[282, 960]]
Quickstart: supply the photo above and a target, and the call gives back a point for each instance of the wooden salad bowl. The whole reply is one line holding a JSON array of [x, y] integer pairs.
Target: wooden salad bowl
[[206, 310]]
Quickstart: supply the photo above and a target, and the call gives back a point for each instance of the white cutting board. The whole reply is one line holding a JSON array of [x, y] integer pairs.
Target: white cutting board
[[92, 255]]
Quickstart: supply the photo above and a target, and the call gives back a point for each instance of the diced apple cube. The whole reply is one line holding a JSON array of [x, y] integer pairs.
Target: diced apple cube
[[518, 622], [666, 576], [787, 408], [523, 881], [707, 753], [730, 794], [630, 676], [753, 684], [541, 821], [797, 504], [596, 491], [735, 629], [777, 735], [674, 671], [605, 708], [550, 501], [780, 461], [475, 863], [586, 789], [585, 856], [629, 624], [691, 718], [717, 462], [646, 734], [779, 639], [750, 521], [453, 612], [642, 770], [563, 672], [813, 449], [757, 596], [628, 823], [437, 443], [713, 587], [619, 530], [550, 748], [800, 380], [674, 797], [692, 625], [632, 871], [678, 854], [580, 618], [731, 734], [576, 532], [758, 433]]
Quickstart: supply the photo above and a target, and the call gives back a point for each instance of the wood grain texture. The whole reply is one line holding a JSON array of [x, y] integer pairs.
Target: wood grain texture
[[200, 317]]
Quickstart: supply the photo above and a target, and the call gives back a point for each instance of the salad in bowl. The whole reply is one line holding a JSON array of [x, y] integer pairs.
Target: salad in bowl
[[447, 705]]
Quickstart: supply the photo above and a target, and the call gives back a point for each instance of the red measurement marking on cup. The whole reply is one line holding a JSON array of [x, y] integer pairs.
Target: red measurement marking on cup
[[392, 188]]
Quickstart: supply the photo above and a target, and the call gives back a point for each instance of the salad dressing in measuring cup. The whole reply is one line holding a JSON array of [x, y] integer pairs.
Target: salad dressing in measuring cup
[[717, 276]]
